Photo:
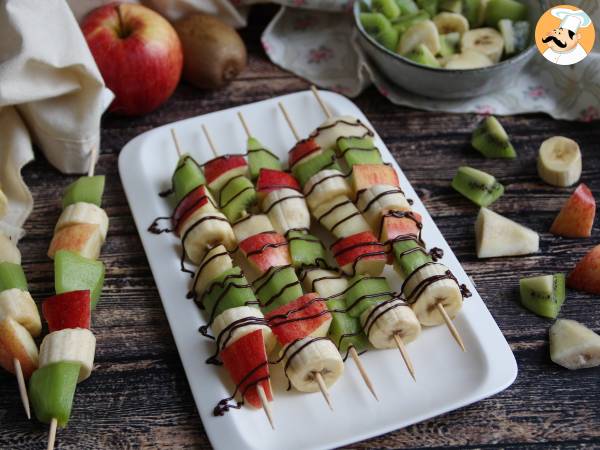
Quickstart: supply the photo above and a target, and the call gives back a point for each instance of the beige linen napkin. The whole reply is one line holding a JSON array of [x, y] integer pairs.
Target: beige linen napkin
[[51, 93]]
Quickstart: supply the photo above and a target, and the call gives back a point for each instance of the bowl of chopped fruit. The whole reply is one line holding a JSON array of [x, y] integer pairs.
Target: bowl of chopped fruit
[[448, 49]]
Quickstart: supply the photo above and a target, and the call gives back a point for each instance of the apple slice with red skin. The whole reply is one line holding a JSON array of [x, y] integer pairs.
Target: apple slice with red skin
[[365, 248], [397, 224], [301, 150], [246, 361], [586, 274], [192, 202], [576, 218], [68, 310], [271, 180], [222, 168], [16, 342], [266, 250], [366, 175], [305, 316]]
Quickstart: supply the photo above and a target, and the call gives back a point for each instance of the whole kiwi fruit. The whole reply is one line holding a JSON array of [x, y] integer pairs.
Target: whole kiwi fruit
[[213, 52]]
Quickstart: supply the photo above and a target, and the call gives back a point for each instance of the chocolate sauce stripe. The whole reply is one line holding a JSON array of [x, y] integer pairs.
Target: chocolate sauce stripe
[[333, 208], [281, 200]]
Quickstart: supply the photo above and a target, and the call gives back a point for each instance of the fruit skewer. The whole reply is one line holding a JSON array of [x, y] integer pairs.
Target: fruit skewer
[[19, 320], [420, 277], [357, 250], [300, 322], [286, 207], [67, 352], [240, 330]]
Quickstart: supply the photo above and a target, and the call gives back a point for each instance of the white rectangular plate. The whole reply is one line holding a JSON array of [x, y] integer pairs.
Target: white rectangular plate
[[447, 378]]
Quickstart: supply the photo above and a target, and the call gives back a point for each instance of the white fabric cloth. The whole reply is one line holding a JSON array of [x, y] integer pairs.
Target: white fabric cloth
[[51, 93]]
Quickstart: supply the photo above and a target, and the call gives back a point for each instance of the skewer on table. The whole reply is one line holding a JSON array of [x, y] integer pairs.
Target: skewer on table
[[22, 387], [266, 405], [322, 104], [363, 372], [211, 144], [405, 356], [52, 434], [323, 388], [176, 142]]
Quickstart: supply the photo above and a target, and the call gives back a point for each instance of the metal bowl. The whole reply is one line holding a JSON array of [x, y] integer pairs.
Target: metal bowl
[[445, 83]]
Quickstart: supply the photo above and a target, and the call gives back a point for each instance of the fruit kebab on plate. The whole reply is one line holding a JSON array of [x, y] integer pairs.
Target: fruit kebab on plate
[[67, 352], [357, 250], [240, 330], [19, 319], [299, 321], [430, 287], [280, 197]]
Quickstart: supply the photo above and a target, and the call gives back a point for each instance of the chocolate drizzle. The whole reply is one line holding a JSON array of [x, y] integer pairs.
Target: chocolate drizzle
[[226, 404], [187, 233], [180, 165]]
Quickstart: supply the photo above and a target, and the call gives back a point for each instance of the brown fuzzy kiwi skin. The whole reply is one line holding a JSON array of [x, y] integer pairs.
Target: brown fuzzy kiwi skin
[[213, 52]]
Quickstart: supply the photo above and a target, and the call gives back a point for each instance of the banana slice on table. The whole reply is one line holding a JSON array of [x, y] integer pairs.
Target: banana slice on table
[[252, 225], [382, 321], [235, 323], [306, 357], [72, 345], [8, 250], [203, 231], [379, 199], [215, 262], [423, 32], [468, 59], [573, 345], [447, 22], [559, 161], [82, 212], [19, 305], [287, 210], [325, 185], [487, 41], [428, 285]]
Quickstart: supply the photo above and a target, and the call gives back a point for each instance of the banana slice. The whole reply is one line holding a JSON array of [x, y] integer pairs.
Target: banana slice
[[216, 261], [308, 356], [19, 305], [341, 217], [484, 40], [447, 22], [379, 199], [8, 250], [72, 345], [203, 231], [573, 345], [251, 225], [82, 212], [324, 186], [559, 161], [3, 204], [287, 210], [423, 32], [468, 59], [326, 283], [382, 321], [327, 134], [235, 323], [425, 288]]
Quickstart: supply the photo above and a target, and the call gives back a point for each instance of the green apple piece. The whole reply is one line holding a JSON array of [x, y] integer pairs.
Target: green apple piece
[[304, 171], [73, 272], [12, 276], [277, 287], [228, 290], [359, 151], [236, 197], [260, 158], [365, 291], [306, 250], [186, 177], [85, 189], [407, 259], [345, 331]]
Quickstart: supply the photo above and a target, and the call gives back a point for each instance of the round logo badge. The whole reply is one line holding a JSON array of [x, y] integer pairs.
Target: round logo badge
[[565, 35]]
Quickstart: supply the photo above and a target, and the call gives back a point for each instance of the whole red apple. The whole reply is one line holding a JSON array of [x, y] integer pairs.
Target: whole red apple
[[138, 53]]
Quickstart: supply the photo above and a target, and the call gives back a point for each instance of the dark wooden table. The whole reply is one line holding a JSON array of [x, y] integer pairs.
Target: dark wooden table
[[138, 395]]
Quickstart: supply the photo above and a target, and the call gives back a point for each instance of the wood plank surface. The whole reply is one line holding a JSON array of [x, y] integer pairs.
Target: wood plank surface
[[138, 396]]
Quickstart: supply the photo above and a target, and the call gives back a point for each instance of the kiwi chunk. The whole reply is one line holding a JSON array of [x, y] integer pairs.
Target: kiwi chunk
[[84, 189], [236, 197], [543, 295], [306, 250], [491, 139], [260, 158], [449, 44], [409, 255], [405, 22], [345, 331], [187, 177], [359, 151], [454, 6], [278, 287], [228, 290], [12, 276], [303, 171], [422, 55], [478, 186], [389, 8], [497, 10], [471, 11], [429, 6], [365, 291], [407, 7]]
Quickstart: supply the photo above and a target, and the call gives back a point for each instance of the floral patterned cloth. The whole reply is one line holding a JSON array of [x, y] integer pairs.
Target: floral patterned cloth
[[321, 47]]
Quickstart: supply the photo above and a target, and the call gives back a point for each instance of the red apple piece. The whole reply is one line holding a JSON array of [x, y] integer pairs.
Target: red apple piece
[[366, 175], [197, 199], [266, 250], [305, 316], [360, 253], [301, 150], [576, 217], [586, 274], [222, 168], [138, 53], [272, 180]]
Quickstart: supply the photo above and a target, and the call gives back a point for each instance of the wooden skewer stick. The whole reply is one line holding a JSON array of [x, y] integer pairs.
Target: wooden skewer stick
[[92, 166], [362, 370], [265, 404], [323, 387], [405, 356], [451, 326], [244, 124], [22, 387], [176, 142], [289, 121], [322, 104], [210, 141], [52, 434]]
